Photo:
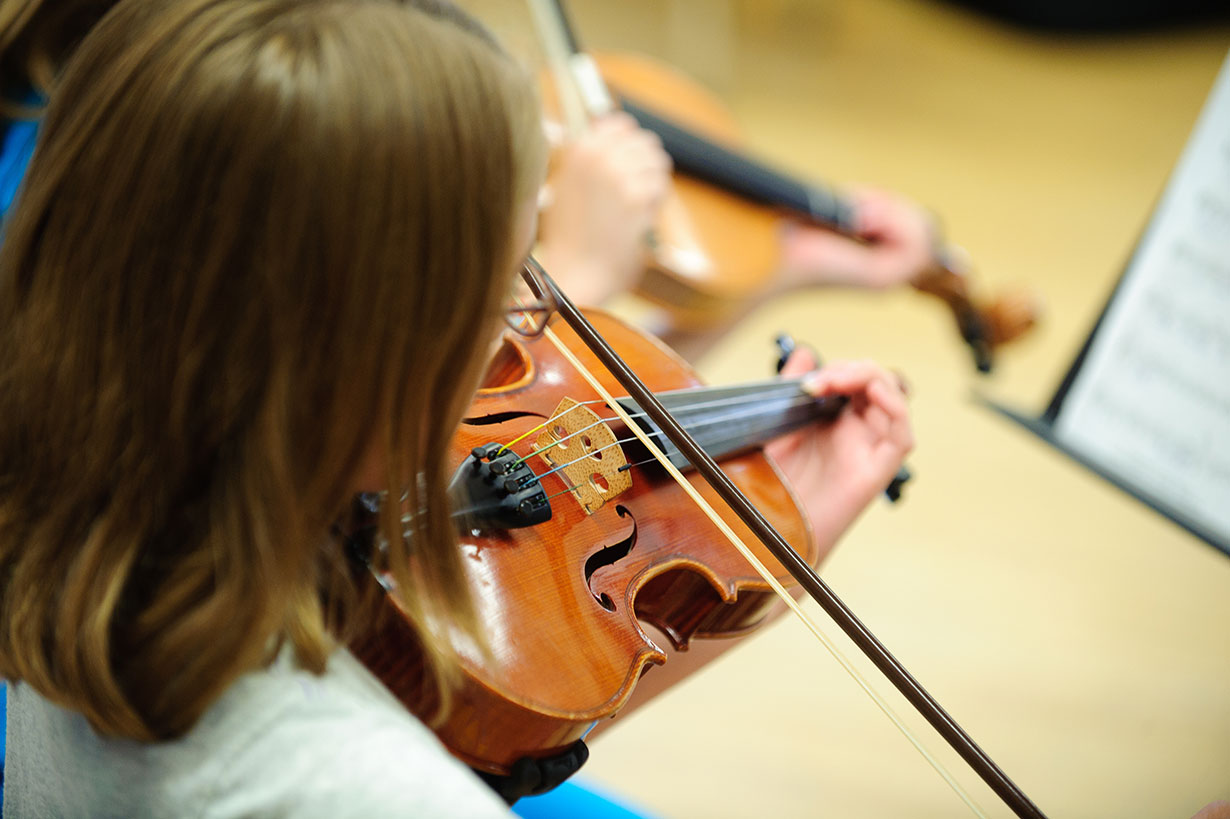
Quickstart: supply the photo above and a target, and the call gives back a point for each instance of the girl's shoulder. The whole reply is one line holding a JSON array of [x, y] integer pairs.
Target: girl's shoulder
[[281, 741], [334, 745]]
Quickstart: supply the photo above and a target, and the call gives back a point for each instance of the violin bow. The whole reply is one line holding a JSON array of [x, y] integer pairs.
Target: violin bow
[[799, 569]]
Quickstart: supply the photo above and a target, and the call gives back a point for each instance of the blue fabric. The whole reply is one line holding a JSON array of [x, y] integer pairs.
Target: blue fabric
[[18, 146], [573, 799]]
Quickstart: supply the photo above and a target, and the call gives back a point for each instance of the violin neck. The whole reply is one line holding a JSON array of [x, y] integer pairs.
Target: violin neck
[[729, 420], [703, 159]]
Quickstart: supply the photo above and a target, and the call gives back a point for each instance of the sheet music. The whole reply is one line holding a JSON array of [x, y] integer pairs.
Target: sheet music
[[1151, 403]]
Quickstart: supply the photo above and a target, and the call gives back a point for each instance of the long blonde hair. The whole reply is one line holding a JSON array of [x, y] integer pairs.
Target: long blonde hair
[[256, 237]]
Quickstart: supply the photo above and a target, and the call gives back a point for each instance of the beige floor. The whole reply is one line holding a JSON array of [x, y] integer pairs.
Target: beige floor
[[1080, 638]]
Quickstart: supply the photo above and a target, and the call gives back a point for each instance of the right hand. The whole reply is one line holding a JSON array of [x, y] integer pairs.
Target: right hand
[[606, 190]]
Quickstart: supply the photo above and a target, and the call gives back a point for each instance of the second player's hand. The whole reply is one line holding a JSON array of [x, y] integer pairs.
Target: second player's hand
[[894, 244], [606, 190]]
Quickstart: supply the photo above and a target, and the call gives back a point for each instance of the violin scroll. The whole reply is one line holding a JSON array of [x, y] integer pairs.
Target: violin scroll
[[983, 325]]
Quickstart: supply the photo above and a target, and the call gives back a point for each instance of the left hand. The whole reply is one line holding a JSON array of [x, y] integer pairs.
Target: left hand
[[836, 469], [897, 245]]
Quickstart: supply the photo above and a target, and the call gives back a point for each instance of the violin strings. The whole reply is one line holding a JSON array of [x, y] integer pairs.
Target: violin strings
[[713, 442], [557, 441], [740, 399], [792, 400], [773, 582], [558, 467], [571, 489], [787, 382], [803, 401], [532, 430], [626, 467]]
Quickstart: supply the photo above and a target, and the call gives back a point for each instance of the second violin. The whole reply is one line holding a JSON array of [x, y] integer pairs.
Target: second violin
[[718, 245]]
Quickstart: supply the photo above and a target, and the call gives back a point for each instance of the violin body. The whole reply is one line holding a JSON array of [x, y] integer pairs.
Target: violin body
[[560, 600]]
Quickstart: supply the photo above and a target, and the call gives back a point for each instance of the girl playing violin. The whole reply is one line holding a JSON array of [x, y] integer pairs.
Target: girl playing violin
[[256, 267]]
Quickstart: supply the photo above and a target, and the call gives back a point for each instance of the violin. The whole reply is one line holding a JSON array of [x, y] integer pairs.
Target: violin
[[717, 244], [575, 533], [562, 568]]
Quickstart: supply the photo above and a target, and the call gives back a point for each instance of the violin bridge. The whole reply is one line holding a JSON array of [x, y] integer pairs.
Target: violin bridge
[[585, 451]]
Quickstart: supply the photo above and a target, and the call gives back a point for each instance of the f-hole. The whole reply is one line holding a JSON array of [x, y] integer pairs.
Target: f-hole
[[608, 555], [510, 368]]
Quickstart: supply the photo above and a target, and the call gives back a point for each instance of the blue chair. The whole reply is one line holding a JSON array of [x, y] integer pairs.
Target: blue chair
[[15, 151], [573, 799]]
